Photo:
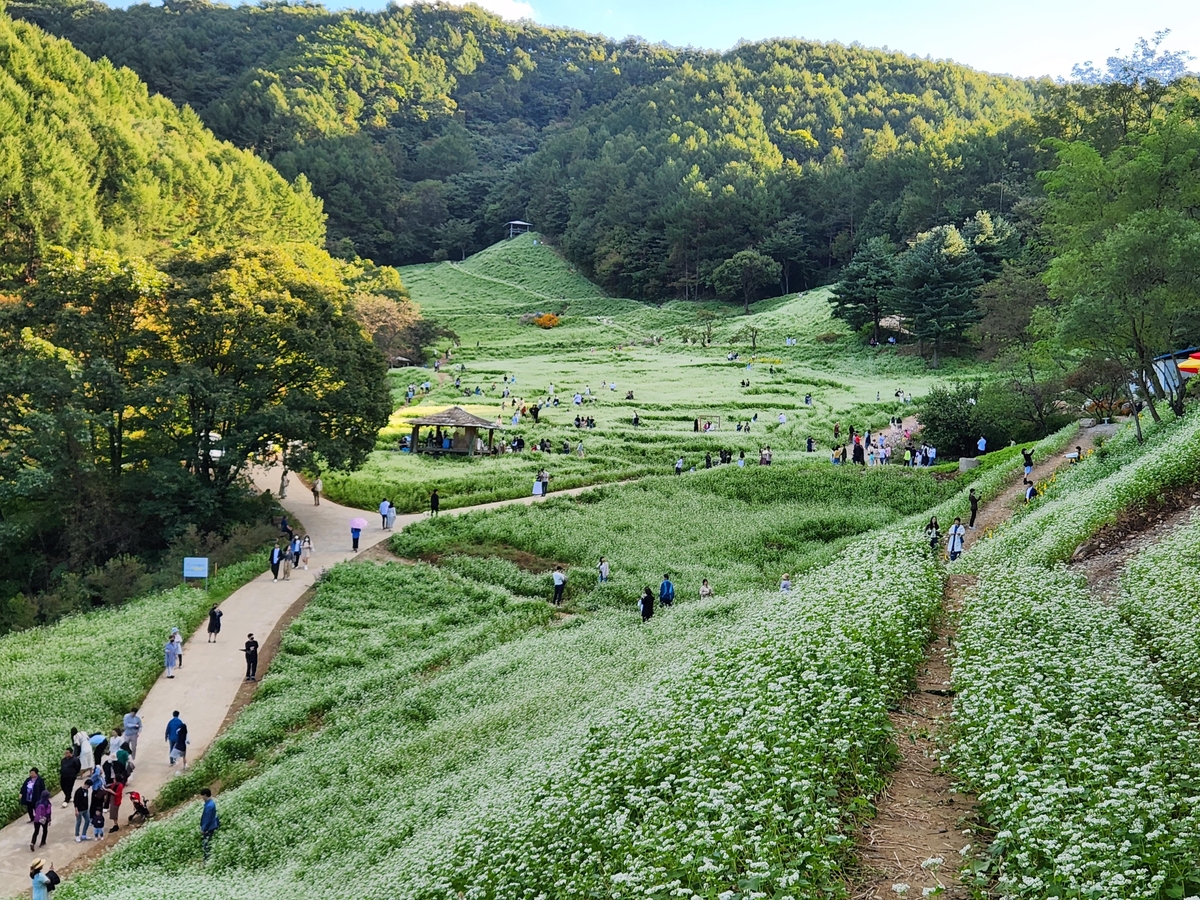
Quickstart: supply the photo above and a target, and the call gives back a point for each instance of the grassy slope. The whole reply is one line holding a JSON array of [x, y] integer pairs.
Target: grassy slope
[[1073, 716], [412, 705], [483, 299]]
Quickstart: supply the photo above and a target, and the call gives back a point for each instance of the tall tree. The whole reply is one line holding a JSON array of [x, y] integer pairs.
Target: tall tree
[[266, 353], [1127, 244], [866, 292], [935, 287], [744, 275]]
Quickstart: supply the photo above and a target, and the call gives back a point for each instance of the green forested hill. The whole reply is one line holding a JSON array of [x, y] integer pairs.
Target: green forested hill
[[424, 128], [89, 158]]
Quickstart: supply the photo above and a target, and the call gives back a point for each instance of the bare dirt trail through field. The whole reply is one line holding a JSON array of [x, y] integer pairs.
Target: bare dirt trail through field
[[922, 823]]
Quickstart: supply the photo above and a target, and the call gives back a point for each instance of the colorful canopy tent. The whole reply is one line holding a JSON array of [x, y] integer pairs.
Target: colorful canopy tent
[[455, 431], [1191, 365]]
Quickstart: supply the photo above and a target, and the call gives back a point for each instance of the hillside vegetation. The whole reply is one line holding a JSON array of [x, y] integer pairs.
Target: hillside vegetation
[[91, 159], [425, 127], [169, 310], [603, 348]]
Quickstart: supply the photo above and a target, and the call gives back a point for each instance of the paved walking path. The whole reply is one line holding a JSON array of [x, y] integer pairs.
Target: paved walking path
[[206, 686]]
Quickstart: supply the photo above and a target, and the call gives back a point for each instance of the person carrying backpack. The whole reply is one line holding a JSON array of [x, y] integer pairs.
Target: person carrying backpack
[[666, 591]]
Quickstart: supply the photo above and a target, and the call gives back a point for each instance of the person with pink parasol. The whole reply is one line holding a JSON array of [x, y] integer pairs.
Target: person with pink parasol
[[356, 528]]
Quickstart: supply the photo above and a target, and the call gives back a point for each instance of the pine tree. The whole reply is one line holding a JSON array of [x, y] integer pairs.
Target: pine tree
[[866, 292], [935, 287]]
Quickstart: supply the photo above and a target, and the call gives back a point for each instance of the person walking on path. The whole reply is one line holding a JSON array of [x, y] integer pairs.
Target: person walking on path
[[602, 568], [974, 498], [435, 503], [40, 880], [666, 591], [133, 725], [560, 585], [355, 534], [31, 791], [646, 604], [391, 516], [285, 565], [251, 651], [275, 557], [383, 511], [317, 487], [1027, 455], [209, 821], [68, 772], [82, 818], [180, 745], [954, 544], [214, 623], [306, 551], [297, 548], [170, 656], [173, 727], [42, 813], [178, 639]]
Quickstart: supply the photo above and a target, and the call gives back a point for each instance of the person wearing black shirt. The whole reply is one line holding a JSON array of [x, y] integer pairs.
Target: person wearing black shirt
[[974, 498], [251, 651], [1028, 456]]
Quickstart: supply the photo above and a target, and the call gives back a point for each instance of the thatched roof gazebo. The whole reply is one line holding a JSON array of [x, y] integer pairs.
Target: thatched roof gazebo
[[456, 431]]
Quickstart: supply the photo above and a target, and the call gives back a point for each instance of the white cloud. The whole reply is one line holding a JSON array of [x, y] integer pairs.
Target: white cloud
[[506, 9]]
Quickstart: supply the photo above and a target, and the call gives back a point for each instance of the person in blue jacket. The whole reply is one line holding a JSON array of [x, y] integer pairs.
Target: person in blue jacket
[[209, 822], [173, 727], [666, 591]]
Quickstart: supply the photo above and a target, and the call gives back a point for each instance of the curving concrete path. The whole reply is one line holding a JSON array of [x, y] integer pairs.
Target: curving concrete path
[[205, 688]]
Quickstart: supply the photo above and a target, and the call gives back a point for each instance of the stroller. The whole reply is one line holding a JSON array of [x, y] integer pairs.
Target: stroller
[[141, 808]]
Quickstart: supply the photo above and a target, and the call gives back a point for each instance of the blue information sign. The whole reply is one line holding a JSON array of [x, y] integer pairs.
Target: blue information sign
[[195, 567]]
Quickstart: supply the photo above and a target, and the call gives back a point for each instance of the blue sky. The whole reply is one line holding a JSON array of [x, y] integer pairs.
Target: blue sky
[[1020, 37]]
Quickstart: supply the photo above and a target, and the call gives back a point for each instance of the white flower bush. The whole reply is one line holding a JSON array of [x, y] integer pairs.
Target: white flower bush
[[425, 736], [741, 775], [1085, 497], [1160, 599], [1085, 764]]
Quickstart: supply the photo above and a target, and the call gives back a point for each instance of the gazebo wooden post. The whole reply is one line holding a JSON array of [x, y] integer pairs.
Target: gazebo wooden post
[[416, 439], [471, 432]]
